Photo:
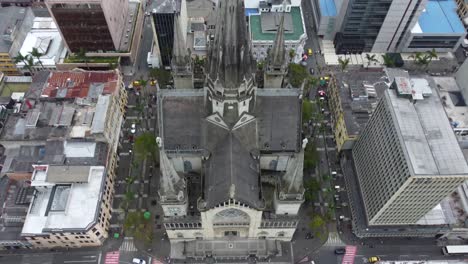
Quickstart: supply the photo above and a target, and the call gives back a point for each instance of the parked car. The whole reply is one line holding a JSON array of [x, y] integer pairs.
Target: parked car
[[311, 70], [373, 259], [138, 261], [309, 236], [310, 52], [340, 251], [133, 128]]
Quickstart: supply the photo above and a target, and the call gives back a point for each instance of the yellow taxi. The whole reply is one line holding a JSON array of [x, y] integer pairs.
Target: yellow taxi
[[136, 83], [310, 52], [374, 259], [153, 82]]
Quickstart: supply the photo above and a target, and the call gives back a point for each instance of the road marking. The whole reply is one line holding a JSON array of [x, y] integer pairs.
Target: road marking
[[124, 154], [128, 245], [79, 261]]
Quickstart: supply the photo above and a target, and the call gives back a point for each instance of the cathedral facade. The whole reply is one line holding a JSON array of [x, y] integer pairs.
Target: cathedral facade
[[231, 154]]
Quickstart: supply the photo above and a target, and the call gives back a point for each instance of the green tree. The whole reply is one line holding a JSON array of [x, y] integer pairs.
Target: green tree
[[312, 187], [162, 76], [260, 65], [317, 223], [306, 111], [81, 55], [30, 63], [432, 54], [297, 74], [20, 58], [138, 226], [343, 63], [389, 61], [145, 145], [292, 53], [36, 54], [370, 59], [421, 59], [311, 156], [143, 84]]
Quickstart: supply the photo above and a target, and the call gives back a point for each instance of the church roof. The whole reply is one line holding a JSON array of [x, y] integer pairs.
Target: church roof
[[232, 173], [279, 119]]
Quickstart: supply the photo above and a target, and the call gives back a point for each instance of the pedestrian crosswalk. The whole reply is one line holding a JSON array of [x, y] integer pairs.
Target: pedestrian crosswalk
[[334, 240], [128, 245]]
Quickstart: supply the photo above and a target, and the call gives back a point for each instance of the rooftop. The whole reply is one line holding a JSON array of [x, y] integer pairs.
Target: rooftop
[[66, 207], [129, 28], [295, 31], [167, 6], [11, 18], [44, 36], [46, 120], [359, 93], [427, 136], [72, 84], [15, 196], [439, 16], [453, 101], [327, 7]]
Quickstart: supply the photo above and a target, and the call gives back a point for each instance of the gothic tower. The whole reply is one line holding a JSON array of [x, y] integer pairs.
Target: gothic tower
[[181, 63], [276, 65]]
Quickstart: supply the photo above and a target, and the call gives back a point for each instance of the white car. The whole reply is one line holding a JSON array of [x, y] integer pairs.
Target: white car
[[138, 261], [133, 128]]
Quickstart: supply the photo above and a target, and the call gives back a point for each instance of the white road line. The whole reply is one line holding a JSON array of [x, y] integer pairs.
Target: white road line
[[99, 258], [78, 261]]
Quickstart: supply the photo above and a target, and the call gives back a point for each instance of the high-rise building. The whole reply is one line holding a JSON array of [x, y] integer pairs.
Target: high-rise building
[[375, 25], [407, 158], [92, 25], [163, 19]]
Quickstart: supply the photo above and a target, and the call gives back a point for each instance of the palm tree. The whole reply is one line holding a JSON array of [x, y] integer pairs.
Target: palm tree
[[35, 53], [20, 58], [421, 59], [432, 54], [30, 62], [343, 63], [388, 60], [143, 83], [370, 59]]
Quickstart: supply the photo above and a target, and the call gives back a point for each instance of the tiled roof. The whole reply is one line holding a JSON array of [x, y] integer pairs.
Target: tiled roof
[[71, 84]]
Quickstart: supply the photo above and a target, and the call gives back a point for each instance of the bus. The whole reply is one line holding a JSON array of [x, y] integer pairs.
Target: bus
[[455, 250]]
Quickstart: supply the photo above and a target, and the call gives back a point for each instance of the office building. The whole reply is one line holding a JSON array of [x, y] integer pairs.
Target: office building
[[375, 25], [91, 25], [163, 18], [438, 27], [407, 158], [231, 156]]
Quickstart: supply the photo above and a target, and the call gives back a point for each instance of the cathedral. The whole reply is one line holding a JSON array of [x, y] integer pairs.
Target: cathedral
[[231, 154]]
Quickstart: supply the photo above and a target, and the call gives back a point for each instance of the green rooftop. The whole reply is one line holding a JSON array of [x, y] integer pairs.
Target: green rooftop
[[256, 27]]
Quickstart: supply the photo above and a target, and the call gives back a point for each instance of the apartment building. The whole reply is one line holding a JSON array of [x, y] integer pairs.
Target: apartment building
[[65, 141], [407, 158]]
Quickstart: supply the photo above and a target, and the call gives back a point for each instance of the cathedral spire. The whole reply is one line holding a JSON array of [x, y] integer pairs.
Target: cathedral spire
[[230, 63], [277, 53], [180, 56], [181, 63]]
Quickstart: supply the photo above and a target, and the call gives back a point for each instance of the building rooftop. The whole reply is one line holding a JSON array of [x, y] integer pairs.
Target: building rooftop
[[72, 84], [129, 28], [46, 120], [44, 36], [427, 136], [278, 113], [167, 6], [452, 100], [15, 197], [327, 7], [359, 94], [258, 32], [11, 18], [68, 207], [439, 16]]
